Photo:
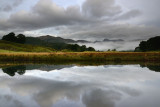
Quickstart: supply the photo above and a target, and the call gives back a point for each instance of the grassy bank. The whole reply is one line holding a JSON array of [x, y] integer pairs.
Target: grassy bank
[[80, 56], [6, 46]]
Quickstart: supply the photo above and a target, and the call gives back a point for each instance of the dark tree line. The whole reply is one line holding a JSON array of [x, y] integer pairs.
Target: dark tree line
[[152, 44], [20, 38], [78, 48]]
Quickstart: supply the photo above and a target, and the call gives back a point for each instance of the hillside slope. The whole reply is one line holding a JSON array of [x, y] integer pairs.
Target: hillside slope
[[39, 42], [16, 47]]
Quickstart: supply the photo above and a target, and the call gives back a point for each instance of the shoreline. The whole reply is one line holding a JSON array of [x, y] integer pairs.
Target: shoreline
[[81, 56]]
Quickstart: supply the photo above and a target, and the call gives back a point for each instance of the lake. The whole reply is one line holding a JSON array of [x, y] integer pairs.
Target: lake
[[73, 85]]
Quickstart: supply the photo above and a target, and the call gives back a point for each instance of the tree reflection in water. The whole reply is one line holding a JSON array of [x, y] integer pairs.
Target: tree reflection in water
[[20, 69]]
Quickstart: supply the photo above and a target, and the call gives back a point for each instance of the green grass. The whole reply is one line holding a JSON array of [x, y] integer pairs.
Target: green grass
[[4, 51], [6, 46]]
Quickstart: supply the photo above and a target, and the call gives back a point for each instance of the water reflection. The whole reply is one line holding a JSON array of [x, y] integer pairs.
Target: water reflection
[[155, 68], [20, 69], [79, 86]]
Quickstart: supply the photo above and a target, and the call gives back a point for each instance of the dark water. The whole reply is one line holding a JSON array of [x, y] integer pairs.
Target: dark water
[[80, 86]]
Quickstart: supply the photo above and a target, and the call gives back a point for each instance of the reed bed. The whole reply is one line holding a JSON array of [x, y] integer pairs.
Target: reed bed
[[81, 56]]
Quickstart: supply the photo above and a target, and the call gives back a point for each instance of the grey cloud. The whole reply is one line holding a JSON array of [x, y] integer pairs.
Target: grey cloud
[[101, 98], [17, 2], [11, 101], [106, 98], [113, 31], [44, 14], [100, 8], [150, 14], [128, 15], [47, 14], [8, 6]]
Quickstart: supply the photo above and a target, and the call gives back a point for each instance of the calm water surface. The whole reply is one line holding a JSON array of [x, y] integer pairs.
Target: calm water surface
[[79, 86]]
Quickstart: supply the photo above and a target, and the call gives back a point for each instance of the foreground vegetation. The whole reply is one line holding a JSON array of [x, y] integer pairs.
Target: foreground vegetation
[[80, 56]]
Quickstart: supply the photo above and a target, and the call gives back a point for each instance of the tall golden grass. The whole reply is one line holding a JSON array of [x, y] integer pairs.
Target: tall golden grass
[[81, 56]]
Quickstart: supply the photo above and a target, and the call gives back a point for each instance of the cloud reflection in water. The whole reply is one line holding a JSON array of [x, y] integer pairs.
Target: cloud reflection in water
[[84, 86]]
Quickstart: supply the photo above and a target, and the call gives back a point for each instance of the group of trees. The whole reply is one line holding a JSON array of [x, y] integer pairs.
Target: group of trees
[[20, 38], [153, 44], [111, 50], [78, 48]]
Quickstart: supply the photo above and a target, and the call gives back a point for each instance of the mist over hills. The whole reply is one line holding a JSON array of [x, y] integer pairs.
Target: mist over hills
[[60, 43], [51, 43], [52, 39]]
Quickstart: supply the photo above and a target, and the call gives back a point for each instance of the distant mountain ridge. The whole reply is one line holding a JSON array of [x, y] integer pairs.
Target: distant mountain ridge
[[113, 40], [52, 39], [110, 40]]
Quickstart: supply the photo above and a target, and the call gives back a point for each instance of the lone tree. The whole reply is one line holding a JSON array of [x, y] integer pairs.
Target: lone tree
[[21, 38], [90, 49], [83, 48]]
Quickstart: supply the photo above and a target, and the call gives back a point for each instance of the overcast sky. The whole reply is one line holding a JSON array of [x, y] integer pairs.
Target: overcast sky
[[130, 20]]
